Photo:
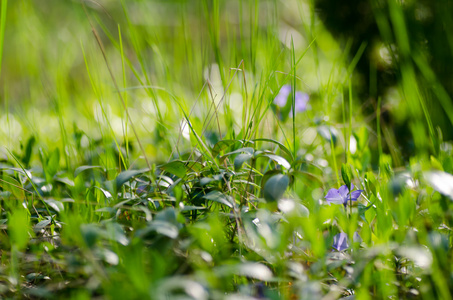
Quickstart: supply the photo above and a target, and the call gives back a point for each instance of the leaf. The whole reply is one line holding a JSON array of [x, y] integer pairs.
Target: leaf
[[116, 233], [308, 178], [328, 132], [83, 168], [370, 183], [53, 164], [127, 175], [179, 287], [421, 256], [42, 224], [267, 176], [275, 187], [247, 269], [28, 151], [165, 228], [346, 173], [12, 185], [206, 180], [279, 160], [280, 145], [190, 208], [222, 145], [111, 210], [436, 164], [18, 223], [90, 234], [365, 213], [240, 159], [441, 182], [56, 205], [105, 192], [291, 206], [220, 198], [65, 180], [110, 257], [255, 270], [18, 170], [249, 150], [175, 167]]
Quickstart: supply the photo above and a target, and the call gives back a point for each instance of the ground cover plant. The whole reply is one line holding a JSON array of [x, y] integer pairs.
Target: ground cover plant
[[225, 150]]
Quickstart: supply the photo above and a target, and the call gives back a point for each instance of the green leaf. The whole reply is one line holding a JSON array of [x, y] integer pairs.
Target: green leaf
[[207, 180], [278, 159], [280, 145], [241, 159], [105, 192], [12, 185], [370, 183], [165, 228], [365, 213], [328, 132], [115, 232], [53, 164], [18, 223], [42, 224], [220, 198], [175, 167], [436, 164], [65, 180], [247, 269], [441, 182], [127, 175], [28, 151], [275, 187], [18, 170], [346, 173], [83, 168], [222, 145], [56, 205], [90, 234], [249, 150]]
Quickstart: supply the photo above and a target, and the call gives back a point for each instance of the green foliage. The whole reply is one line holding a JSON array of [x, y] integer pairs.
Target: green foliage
[[150, 161]]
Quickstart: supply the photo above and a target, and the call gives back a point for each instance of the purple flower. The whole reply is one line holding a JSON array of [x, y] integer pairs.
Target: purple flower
[[282, 96], [340, 241], [301, 99], [342, 195]]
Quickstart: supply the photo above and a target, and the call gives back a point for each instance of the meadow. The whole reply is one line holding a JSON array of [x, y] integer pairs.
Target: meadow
[[220, 149]]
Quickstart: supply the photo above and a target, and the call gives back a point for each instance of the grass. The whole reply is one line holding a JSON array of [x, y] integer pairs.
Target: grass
[[144, 156]]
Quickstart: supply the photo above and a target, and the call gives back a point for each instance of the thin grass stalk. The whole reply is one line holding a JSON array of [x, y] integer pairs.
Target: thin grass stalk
[[116, 85]]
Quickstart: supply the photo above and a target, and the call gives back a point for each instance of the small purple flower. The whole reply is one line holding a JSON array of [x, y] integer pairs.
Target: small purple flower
[[282, 96], [342, 195], [301, 99], [340, 241]]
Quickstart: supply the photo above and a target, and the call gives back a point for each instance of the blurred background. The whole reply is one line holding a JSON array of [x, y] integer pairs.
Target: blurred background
[[176, 58]]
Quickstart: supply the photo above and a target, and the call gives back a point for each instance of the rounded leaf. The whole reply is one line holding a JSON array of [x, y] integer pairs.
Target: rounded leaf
[[275, 187]]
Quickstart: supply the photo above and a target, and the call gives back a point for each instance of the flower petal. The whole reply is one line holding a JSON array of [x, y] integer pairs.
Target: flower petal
[[340, 242], [301, 101], [343, 190], [282, 97], [356, 238], [334, 197], [356, 194]]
